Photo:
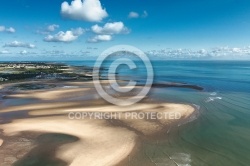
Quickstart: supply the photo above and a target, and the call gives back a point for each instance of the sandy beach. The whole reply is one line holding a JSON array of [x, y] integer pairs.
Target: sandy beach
[[103, 141]]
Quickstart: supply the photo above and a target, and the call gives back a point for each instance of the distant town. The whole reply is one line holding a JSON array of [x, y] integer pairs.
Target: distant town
[[25, 66], [12, 71]]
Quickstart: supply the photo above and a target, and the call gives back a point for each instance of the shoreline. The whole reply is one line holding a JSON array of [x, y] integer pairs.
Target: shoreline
[[49, 116]]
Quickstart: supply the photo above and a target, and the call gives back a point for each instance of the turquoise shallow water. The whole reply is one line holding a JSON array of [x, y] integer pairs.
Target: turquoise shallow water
[[221, 134]]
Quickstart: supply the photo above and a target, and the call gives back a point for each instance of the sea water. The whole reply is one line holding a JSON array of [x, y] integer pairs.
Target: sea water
[[221, 134]]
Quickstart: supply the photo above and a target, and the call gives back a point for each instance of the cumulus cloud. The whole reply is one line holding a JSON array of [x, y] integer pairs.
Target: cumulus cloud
[[61, 36], [52, 28], [78, 31], [86, 10], [8, 30], [19, 44], [133, 15], [106, 32], [67, 36], [110, 28], [100, 38]]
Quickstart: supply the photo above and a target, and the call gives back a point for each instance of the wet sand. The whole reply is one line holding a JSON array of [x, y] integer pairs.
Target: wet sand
[[99, 141]]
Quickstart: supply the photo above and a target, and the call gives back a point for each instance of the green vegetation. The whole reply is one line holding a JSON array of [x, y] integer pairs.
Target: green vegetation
[[11, 71]]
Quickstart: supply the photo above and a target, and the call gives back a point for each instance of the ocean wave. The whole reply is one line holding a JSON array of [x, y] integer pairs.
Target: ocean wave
[[181, 159], [197, 107], [213, 93], [210, 99], [193, 117], [69, 87]]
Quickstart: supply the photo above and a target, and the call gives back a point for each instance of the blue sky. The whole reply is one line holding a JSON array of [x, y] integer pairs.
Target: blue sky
[[176, 28]]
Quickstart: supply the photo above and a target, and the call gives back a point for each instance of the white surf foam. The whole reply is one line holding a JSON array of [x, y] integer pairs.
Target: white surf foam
[[210, 99]]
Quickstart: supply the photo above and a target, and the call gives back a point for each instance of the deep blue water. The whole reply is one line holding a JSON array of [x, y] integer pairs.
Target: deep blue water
[[212, 75]]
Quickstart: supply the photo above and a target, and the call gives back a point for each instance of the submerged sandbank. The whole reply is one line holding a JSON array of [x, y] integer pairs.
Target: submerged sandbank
[[106, 141]]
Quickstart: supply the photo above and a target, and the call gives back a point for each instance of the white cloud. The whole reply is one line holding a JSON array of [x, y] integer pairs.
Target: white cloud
[[67, 36], [202, 51], [52, 28], [4, 52], [8, 30], [100, 38], [110, 28], [78, 31], [133, 15], [2, 28], [61, 36], [24, 52], [87, 10], [19, 44]]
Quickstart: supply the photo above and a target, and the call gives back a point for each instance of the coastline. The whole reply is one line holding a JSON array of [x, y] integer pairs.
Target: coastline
[[49, 115]]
